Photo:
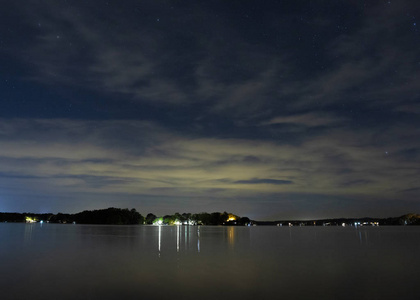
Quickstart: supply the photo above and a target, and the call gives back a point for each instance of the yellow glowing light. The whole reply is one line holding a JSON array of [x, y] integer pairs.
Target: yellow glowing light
[[231, 218]]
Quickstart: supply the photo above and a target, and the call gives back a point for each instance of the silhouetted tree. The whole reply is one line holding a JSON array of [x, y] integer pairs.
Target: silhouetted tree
[[150, 218]]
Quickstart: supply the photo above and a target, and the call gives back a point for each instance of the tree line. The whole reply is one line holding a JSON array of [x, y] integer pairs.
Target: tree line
[[110, 215], [118, 216], [215, 218]]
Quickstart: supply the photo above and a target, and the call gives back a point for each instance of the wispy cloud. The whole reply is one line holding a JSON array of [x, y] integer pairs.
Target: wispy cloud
[[311, 119], [143, 64], [363, 59], [99, 157], [264, 181]]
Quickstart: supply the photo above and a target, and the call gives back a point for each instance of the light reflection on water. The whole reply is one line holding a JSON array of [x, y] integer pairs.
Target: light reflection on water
[[207, 262]]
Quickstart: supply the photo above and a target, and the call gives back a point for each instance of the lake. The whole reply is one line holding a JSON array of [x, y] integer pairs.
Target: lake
[[54, 261]]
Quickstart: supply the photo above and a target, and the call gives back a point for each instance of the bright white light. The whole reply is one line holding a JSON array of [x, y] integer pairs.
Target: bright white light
[[177, 238], [160, 237]]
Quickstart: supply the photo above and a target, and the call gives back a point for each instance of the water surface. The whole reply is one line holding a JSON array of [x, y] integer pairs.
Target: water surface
[[52, 261]]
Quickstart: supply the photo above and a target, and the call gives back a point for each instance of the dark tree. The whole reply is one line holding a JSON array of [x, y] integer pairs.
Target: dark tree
[[110, 215], [243, 221], [150, 218]]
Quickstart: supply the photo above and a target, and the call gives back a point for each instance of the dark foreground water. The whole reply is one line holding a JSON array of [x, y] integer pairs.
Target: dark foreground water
[[52, 261]]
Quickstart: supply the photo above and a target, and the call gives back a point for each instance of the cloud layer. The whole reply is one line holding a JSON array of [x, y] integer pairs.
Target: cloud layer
[[285, 110], [92, 159]]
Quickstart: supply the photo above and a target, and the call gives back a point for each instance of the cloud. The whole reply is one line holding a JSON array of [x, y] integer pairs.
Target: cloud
[[357, 182], [371, 65], [311, 119], [95, 160], [77, 47], [147, 63], [409, 108], [138, 157], [264, 181], [167, 63]]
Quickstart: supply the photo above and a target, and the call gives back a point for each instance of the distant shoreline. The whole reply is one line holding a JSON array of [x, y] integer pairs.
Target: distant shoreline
[[118, 216]]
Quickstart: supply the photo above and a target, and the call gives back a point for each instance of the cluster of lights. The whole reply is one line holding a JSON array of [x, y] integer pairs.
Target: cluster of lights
[[159, 221], [366, 224], [33, 220]]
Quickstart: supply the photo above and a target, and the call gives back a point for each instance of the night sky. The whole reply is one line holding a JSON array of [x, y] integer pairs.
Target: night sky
[[267, 109]]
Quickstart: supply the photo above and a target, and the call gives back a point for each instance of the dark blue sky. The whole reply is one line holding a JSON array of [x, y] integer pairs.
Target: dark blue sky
[[269, 109]]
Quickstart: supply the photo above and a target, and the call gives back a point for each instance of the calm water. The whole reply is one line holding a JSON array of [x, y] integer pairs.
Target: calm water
[[52, 261]]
